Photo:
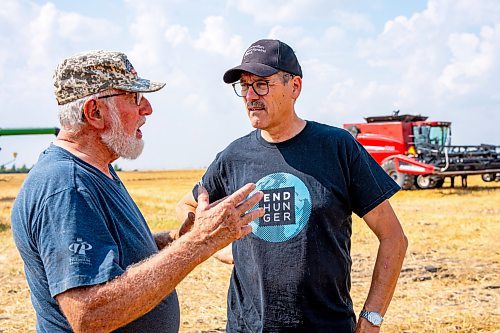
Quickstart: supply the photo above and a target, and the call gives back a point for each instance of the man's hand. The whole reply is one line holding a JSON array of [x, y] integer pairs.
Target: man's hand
[[224, 221], [364, 326]]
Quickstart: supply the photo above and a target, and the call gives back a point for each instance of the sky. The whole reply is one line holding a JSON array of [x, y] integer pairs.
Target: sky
[[439, 58]]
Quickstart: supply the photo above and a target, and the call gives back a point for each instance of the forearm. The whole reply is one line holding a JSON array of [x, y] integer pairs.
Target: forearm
[[137, 291], [388, 264]]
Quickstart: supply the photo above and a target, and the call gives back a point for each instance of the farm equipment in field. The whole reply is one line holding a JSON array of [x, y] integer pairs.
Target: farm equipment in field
[[27, 131], [417, 153]]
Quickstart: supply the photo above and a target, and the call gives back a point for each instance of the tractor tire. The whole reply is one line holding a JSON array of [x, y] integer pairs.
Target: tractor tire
[[404, 180]]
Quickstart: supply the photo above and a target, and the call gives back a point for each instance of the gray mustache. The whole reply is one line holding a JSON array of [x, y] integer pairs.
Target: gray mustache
[[253, 104]]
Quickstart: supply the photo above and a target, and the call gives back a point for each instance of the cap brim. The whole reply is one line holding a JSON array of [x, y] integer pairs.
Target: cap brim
[[234, 74], [141, 85]]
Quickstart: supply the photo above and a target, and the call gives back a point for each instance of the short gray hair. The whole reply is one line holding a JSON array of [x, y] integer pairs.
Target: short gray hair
[[71, 114]]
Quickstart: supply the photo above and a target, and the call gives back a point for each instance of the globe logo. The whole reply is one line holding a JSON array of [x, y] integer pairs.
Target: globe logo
[[287, 206]]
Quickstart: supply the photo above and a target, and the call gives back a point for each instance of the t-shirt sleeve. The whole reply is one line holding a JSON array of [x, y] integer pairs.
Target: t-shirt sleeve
[[75, 243], [213, 181], [369, 185]]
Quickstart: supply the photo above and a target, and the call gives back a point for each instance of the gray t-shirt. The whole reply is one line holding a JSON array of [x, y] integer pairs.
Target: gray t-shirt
[[76, 227]]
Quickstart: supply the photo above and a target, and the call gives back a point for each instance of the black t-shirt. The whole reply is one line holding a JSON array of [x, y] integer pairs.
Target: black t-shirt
[[292, 273]]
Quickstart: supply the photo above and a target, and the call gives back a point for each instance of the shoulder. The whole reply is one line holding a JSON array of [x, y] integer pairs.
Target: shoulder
[[55, 171], [50, 174], [330, 133]]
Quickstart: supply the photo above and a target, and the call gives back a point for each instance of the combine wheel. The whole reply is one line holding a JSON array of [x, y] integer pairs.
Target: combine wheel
[[426, 182], [404, 180], [488, 177]]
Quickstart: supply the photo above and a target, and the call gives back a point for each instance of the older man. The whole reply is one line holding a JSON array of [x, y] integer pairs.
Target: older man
[[292, 273], [90, 259]]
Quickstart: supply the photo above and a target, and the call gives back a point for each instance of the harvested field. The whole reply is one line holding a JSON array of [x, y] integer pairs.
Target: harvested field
[[450, 281]]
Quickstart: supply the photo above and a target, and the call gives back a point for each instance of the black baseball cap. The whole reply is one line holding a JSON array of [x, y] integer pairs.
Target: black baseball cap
[[264, 58]]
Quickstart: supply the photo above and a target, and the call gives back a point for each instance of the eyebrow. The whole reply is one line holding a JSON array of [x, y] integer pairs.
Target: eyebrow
[[260, 78]]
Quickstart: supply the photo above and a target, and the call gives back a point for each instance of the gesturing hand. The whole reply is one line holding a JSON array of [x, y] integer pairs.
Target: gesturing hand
[[224, 221]]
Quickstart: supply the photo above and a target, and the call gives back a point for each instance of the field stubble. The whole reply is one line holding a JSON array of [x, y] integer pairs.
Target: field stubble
[[449, 281]]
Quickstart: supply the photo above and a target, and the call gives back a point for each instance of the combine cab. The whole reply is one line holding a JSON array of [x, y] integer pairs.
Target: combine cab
[[417, 153]]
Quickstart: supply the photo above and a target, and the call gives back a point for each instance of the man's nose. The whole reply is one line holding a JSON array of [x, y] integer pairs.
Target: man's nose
[[145, 108], [251, 94]]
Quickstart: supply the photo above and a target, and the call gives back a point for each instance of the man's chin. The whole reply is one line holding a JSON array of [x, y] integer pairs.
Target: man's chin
[[134, 153], [131, 157]]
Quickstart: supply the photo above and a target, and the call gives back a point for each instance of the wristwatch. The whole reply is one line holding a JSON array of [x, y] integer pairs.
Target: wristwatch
[[373, 317]]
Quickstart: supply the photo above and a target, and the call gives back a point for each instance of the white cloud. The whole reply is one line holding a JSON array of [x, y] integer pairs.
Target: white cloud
[[177, 34], [473, 62], [216, 39]]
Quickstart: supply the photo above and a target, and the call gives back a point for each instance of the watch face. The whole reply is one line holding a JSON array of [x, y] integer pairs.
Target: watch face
[[374, 318]]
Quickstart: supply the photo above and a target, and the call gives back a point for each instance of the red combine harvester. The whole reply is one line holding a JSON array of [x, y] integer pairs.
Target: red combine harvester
[[417, 153]]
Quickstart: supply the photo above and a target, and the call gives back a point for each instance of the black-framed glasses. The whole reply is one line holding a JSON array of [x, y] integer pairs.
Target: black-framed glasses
[[261, 87], [138, 96]]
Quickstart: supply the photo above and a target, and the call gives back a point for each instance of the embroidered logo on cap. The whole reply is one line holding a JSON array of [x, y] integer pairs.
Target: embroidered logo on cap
[[254, 48]]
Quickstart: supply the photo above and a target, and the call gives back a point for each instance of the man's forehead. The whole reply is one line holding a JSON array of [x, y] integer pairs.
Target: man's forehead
[[245, 76]]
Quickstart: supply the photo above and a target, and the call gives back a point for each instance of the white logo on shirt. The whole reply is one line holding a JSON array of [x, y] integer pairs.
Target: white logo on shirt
[[79, 247]]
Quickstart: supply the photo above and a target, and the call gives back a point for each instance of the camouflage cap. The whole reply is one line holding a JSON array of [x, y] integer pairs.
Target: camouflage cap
[[88, 73]]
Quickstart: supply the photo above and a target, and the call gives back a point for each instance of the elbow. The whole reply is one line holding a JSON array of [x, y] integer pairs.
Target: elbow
[[85, 319]]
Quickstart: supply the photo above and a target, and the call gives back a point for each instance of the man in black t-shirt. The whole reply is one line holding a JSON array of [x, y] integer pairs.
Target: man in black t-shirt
[[292, 273]]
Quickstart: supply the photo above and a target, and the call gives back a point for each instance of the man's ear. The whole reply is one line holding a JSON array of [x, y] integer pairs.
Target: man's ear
[[92, 115], [297, 86]]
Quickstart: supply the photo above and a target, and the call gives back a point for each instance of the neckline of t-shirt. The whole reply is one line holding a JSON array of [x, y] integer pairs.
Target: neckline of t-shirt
[[79, 160], [292, 140]]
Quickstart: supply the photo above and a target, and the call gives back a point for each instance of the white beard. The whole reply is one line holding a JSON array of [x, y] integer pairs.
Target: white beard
[[126, 146]]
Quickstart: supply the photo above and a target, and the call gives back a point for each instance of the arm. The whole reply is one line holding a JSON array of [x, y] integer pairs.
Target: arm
[[393, 244], [105, 307], [186, 206]]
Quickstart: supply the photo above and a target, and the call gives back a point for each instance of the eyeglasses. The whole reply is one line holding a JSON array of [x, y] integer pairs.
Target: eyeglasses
[[138, 96], [261, 87]]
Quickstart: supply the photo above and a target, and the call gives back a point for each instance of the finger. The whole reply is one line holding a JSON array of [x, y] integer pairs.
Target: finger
[[188, 224], [238, 196], [250, 202], [250, 216], [245, 230], [203, 198]]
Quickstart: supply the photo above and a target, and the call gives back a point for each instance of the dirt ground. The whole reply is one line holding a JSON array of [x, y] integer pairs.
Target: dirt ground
[[449, 281]]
